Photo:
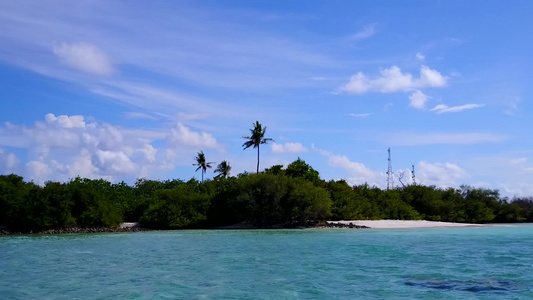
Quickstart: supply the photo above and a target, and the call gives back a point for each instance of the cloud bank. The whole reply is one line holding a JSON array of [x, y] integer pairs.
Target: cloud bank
[[63, 147]]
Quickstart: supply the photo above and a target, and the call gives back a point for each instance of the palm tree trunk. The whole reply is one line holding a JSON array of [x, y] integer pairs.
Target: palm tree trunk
[[202, 175], [257, 159]]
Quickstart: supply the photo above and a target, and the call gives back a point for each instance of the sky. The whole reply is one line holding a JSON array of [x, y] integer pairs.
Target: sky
[[123, 90]]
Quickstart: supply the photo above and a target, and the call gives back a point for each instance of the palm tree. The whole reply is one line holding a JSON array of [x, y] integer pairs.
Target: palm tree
[[223, 168], [257, 138], [201, 163]]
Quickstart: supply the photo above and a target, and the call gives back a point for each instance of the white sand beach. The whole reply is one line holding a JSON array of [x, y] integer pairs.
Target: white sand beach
[[130, 225], [406, 224]]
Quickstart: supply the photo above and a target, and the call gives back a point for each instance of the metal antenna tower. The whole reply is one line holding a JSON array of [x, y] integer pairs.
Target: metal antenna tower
[[413, 175], [390, 174]]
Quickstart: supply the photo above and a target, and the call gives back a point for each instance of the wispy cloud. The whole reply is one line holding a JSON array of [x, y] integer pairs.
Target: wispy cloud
[[418, 139], [512, 107], [441, 108], [367, 31], [394, 80], [419, 56], [365, 115], [191, 48], [85, 57], [138, 115]]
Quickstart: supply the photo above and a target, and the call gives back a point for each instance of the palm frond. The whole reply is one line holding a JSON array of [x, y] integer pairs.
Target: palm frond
[[248, 144]]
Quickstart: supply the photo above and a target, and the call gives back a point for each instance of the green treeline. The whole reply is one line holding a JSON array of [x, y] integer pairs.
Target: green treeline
[[277, 196]]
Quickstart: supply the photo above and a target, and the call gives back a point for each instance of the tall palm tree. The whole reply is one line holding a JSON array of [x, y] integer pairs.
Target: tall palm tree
[[201, 163], [257, 138], [223, 168]]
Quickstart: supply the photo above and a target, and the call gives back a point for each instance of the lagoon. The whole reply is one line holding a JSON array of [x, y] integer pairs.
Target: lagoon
[[451, 263]]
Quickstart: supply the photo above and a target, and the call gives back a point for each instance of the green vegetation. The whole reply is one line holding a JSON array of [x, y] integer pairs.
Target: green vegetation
[[276, 197], [223, 169]]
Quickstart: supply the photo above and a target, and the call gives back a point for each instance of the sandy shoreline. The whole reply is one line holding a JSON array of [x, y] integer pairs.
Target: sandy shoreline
[[356, 224], [406, 224]]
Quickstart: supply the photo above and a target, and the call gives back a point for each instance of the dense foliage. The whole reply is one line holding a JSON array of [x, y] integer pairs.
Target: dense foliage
[[277, 196]]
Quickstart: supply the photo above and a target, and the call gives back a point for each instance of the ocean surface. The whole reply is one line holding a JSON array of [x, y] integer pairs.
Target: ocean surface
[[458, 263]]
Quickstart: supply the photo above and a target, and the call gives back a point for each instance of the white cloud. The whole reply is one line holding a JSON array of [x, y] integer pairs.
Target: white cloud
[[358, 172], [417, 139], [439, 174], [84, 57], [430, 78], [63, 147], [418, 100], [393, 80], [519, 188], [51, 134], [9, 163], [105, 137], [403, 176], [183, 136], [63, 121], [420, 56], [368, 31], [365, 115], [441, 108], [90, 41], [114, 162], [82, 166], [37, 171], [288, 148], [189, 38], [149, 152], [516, 167]]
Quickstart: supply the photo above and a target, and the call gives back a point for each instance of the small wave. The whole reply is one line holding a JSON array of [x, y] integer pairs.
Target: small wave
[[83, 252], [475, 286]]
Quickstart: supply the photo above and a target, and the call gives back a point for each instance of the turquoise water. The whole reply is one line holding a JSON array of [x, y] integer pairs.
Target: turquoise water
[[463, 263]]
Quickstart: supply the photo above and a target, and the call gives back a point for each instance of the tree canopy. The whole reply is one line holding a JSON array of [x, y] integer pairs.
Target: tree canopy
[[223, 169], [276, 197]]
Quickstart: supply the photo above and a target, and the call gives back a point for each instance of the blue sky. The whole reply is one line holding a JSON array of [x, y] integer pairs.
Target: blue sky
[[123, 90]]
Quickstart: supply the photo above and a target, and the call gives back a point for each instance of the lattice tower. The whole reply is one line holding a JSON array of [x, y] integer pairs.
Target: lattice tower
[[413, 175], [390, 175]]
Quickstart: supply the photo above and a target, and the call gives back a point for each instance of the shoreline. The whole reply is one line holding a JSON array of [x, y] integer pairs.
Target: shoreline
[[341, 224], [76, 230], [408, 224]]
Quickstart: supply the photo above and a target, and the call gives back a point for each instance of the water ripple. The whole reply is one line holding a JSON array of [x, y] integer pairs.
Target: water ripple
[[487, 263]]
